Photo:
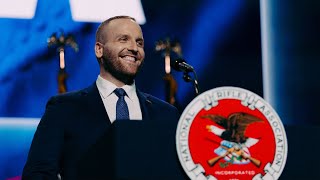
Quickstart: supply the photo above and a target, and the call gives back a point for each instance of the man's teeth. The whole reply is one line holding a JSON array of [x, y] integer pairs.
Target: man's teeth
[[129, 58]]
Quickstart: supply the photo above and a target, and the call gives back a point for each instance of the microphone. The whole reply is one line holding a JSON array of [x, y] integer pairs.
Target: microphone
[[181, 65]]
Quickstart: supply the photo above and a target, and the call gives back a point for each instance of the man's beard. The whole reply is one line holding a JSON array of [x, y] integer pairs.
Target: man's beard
[[117, 70]]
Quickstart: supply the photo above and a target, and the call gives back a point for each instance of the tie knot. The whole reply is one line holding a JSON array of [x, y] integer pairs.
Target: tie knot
[[120, 92]]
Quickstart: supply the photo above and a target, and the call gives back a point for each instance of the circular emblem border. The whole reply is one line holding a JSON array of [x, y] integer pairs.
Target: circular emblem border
[[209, 99]]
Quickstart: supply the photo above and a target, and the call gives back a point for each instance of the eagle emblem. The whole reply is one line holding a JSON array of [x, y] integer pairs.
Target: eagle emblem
[[231, 133], [234, 147]]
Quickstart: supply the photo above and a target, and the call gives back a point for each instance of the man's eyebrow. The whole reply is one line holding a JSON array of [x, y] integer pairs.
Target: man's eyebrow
[[121, 35], [117, 36], [140, 39]]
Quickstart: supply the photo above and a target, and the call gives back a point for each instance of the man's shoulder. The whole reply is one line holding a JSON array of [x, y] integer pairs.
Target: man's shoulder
[[157, 101], [68, 96], [72, 96]]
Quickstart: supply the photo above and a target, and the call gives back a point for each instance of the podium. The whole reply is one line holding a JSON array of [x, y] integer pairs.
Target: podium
[[133, 150], [141, 150]]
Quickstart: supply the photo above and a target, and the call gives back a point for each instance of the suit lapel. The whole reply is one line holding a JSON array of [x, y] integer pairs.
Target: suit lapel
[[145, 105], [95, 103]]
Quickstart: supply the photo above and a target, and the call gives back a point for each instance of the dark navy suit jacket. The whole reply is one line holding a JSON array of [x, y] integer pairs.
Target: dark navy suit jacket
[[76, 140]]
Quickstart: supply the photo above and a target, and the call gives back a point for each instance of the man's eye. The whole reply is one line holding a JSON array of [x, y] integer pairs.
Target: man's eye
[[140, 43], [123, 39]]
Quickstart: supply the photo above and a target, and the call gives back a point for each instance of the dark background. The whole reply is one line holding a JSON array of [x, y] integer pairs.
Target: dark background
[[222, 40]]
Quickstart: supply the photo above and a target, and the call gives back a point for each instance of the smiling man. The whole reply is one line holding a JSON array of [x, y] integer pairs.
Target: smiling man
[[119, 49], [110, 130]]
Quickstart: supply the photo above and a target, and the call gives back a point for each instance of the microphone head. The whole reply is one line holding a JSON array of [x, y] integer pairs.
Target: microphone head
[[181, 65], [175, 64]]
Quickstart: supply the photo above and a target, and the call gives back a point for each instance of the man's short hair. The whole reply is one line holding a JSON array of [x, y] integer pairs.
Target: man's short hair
[[99, 35]]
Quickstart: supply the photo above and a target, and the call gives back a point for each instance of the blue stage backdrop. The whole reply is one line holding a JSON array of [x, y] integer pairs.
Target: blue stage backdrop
[[223, 40]]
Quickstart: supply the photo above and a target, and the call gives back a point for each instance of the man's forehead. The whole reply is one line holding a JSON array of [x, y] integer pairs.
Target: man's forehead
[[123, 26], [122, 22]]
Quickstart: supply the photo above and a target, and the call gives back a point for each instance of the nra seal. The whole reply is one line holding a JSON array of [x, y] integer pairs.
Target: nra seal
[[231, 133]]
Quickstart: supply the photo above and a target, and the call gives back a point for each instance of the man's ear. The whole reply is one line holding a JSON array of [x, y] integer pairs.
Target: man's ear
[[98, 48]]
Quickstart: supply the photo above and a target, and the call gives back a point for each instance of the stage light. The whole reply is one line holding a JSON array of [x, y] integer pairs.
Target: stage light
[[81, 10], [99, 10], [267, 55], [24, 9]]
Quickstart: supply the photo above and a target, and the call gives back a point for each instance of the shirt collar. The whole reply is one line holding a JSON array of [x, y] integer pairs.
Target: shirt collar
[[108, 87]]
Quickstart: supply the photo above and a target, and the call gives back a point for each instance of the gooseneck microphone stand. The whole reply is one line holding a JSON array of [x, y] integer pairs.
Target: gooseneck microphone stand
[[181, 65], [194, 80]]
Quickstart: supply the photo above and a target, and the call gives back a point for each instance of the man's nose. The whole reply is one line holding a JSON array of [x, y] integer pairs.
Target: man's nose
[[133, 46]]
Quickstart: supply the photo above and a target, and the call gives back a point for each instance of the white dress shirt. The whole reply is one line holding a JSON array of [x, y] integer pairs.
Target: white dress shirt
[[110, 99]]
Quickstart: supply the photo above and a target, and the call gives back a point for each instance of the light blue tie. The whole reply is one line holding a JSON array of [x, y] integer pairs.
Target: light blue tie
[[122, 111]]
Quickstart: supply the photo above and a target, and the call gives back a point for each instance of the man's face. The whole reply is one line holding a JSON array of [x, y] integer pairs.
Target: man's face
[[123, 52]]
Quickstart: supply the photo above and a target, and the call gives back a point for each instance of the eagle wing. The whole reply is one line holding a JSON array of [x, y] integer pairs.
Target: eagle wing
[[240, 121], [220, 120]]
